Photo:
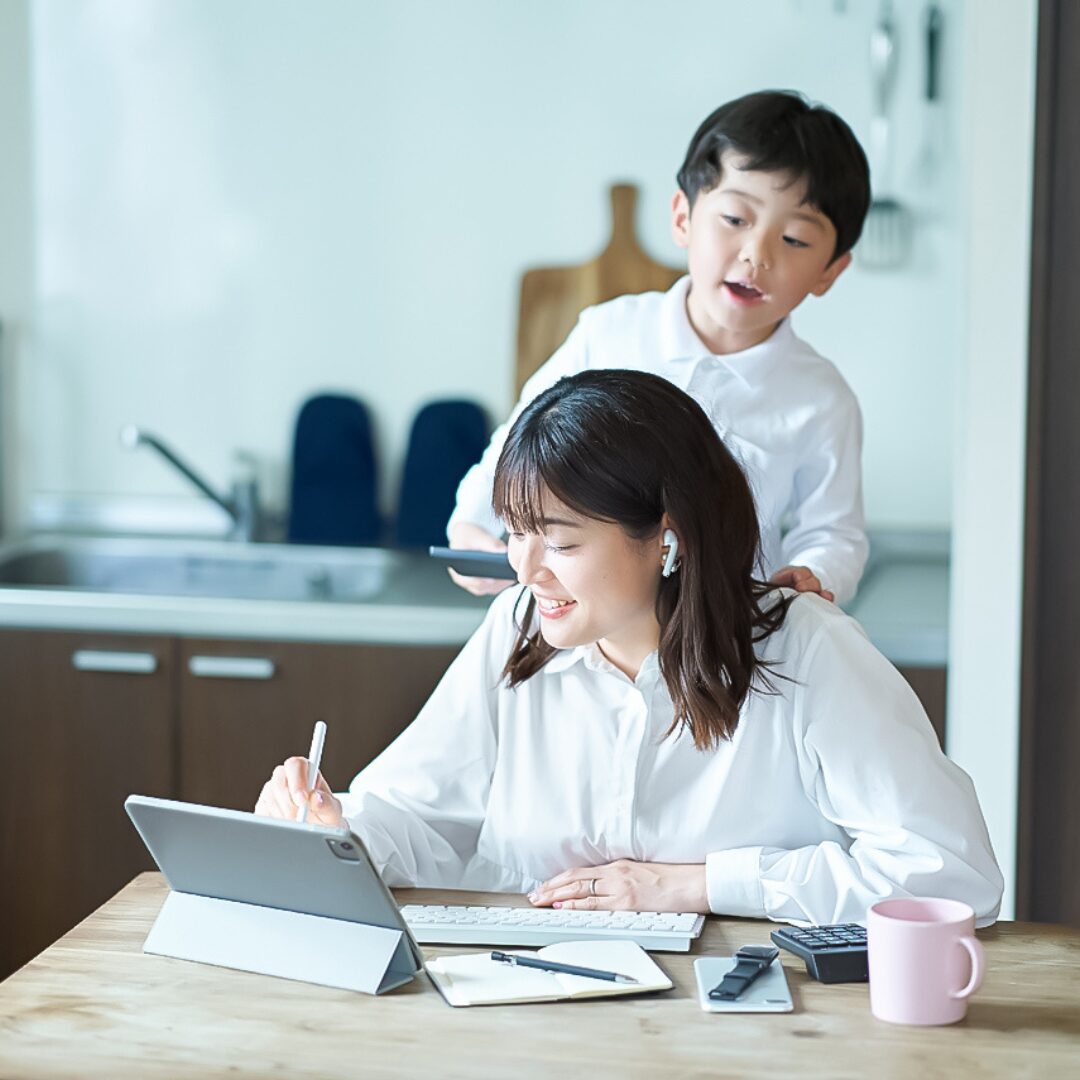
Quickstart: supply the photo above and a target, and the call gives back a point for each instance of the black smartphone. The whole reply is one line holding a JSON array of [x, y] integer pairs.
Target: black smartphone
[[475, 563]]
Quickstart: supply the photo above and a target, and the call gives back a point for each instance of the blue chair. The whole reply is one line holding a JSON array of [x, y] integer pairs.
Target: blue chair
[[334, 485], [447, 438]]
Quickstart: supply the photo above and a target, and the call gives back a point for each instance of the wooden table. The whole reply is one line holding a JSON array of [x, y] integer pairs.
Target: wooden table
[[92, 1005]]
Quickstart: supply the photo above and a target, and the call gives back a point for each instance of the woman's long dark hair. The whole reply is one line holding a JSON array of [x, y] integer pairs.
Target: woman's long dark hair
[[628, 447]]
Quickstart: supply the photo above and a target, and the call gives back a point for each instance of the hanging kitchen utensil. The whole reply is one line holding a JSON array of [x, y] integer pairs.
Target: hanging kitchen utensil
[[929, 161], [886, 237]]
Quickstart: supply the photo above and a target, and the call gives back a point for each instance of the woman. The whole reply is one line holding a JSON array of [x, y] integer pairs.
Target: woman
[[644, 725]]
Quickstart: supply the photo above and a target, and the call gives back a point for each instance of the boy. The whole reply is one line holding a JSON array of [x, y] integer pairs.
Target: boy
[[772, 197]]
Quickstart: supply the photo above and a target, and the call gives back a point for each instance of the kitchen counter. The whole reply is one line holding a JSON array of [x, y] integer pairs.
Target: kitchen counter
[[903, 598], [333, 594], [902, 603]]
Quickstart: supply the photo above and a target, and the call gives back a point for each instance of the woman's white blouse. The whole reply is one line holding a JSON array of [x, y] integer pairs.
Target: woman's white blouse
[[832, 794]]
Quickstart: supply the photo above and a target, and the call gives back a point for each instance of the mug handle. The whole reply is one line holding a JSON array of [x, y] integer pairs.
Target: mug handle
[[975, 951]]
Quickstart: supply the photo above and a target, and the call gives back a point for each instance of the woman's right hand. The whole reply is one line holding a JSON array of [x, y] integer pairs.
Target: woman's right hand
[[287, 790], [474, 538]]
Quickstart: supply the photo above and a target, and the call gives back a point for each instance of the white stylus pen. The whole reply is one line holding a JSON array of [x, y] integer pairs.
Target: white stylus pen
[[314, 760]]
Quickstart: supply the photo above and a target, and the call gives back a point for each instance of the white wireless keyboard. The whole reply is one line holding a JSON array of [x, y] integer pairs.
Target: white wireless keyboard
[[660, 931]]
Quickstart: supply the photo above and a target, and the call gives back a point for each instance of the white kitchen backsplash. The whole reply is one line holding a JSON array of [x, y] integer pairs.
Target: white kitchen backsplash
[[237, 205]]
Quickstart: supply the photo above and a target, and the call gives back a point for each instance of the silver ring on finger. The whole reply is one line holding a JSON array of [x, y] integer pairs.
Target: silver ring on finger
[[592, 886]]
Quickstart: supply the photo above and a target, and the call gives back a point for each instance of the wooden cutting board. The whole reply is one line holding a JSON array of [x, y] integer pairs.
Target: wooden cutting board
[[553, 296]]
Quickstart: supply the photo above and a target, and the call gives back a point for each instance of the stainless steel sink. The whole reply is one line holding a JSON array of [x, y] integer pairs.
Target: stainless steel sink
[[204, 569]]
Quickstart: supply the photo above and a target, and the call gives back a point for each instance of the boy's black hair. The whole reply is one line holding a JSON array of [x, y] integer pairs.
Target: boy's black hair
[[780, 131]]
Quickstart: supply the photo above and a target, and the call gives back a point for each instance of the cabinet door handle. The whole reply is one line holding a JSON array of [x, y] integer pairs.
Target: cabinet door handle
[[130, 663], [231, 667]]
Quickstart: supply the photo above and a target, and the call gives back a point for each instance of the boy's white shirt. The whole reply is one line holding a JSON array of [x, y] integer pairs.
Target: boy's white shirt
[[784, 411], [832, 794]]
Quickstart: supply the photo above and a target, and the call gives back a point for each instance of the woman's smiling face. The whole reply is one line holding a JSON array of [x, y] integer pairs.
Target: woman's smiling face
[[592, 583]]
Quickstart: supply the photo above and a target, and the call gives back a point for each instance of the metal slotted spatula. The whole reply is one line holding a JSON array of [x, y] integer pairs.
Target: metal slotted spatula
[[886, 236]]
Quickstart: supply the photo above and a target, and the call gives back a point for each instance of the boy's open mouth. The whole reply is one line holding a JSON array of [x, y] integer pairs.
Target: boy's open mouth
[[743, 290]]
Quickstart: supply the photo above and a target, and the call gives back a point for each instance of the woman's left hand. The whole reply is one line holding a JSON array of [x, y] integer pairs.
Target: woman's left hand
[[625, 885]]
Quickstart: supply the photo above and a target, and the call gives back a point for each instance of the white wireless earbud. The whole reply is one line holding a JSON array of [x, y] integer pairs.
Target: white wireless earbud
[[672, 542]]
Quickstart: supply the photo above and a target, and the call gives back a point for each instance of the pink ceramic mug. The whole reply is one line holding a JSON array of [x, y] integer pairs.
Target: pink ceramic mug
[[924, 960]]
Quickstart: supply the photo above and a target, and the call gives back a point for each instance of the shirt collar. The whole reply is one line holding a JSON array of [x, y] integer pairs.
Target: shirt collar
[[594, 659], [680, 342], [589, 655], [565, 658]]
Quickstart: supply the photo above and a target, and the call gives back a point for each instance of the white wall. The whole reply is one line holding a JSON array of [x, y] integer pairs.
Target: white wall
[[988, 525], [243, 203]]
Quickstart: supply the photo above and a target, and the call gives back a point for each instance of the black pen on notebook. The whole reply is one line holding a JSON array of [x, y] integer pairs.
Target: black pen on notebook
[[561, 969]]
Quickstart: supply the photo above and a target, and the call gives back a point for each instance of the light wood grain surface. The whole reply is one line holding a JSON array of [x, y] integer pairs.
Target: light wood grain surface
[[93, 1005], [552, 297]]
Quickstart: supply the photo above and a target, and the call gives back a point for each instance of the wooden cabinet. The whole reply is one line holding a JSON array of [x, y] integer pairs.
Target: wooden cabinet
[[930, 685], [85, 720], [88, 719], [245, 706]]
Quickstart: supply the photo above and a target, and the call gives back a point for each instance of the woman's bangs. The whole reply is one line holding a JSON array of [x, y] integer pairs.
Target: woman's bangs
[[518, 497]]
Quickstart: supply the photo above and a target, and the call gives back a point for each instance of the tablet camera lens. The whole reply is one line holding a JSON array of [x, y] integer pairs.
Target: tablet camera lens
[[345, 849]]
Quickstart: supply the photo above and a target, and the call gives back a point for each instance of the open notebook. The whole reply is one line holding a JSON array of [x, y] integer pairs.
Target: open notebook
[[476, 979]]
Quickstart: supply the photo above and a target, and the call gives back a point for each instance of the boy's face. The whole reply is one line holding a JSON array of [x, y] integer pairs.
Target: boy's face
[[755, 252]]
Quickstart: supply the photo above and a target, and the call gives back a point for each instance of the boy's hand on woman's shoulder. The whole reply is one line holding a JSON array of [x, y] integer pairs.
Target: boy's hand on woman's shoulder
[[801, 579]]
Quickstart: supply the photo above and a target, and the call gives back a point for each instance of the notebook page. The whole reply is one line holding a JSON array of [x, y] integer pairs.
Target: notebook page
[[476, 979], [625, 957]]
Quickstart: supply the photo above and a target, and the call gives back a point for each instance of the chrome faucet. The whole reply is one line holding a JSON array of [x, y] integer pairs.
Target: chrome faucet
[[242, 504]]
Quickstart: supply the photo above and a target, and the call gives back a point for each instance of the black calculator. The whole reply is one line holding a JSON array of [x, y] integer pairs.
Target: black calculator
[[833, 954]]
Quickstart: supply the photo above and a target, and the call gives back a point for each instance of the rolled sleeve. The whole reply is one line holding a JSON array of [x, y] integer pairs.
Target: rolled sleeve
[[828, 530], [733, 882]]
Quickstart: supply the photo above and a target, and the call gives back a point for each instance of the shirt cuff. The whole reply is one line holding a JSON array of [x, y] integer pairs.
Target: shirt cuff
[[733, 882]]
